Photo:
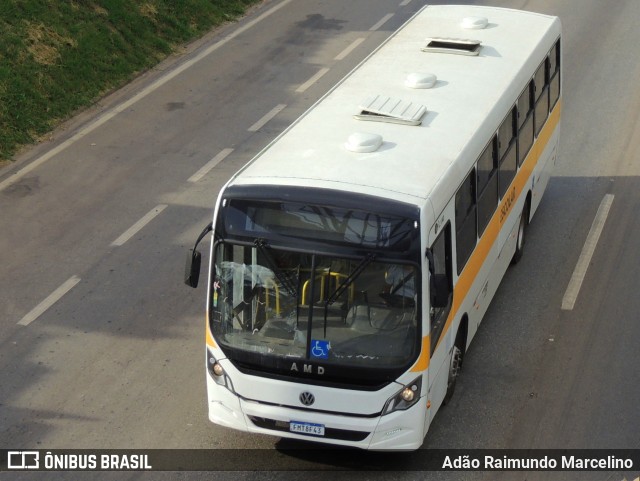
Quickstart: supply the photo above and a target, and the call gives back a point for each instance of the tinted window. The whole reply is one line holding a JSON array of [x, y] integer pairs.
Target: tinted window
[[525, 122], [524, 105], [441, 250], [466, 232], [486, 166], [554, 70], [539, 80]]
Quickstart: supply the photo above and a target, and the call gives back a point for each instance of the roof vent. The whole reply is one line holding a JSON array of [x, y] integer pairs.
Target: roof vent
[[458, 46], [363, 142], [420, 80], [474, 23], [395, 111]]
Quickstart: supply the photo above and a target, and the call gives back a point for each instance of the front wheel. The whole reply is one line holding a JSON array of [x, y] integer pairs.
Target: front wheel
[[454, 370]]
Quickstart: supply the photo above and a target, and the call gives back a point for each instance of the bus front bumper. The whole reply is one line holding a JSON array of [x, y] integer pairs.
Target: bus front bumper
[[400, 430]]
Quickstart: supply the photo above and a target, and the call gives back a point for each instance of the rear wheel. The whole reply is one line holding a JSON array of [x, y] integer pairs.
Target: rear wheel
[[522, 230]]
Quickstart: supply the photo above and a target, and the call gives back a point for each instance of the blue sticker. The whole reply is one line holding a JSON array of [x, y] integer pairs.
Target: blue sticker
[[320, 349]]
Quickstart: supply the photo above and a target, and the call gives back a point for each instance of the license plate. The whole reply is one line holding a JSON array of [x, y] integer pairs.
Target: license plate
[[306, 428]]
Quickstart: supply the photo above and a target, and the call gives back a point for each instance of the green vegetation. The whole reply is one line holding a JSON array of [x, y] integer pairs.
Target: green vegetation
[[57, 56]]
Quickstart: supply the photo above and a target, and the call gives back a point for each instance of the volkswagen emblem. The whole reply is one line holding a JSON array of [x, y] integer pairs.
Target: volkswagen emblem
[[307, 398]]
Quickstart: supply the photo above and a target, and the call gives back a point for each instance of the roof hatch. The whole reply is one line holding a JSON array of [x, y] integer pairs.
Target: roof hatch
[[458, 46], [395, 111]]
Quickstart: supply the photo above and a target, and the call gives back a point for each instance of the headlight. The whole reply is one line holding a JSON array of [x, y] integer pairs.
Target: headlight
[[405, 398], [215, 369]]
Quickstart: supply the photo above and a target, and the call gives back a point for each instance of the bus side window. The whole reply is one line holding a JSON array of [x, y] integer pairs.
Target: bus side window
[[554, 72], [442, 265], [487, 185], [466, 230], [541, 86], [507, 151], [525, 122]]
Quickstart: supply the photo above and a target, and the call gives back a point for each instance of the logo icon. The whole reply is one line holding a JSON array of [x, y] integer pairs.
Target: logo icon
[[307, 399], [23, 460], [320, 349]]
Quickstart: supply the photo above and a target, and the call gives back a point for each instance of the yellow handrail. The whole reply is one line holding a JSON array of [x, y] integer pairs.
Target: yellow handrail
[[323, 282]]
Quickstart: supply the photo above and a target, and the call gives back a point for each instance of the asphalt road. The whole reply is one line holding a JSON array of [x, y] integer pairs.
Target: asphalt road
[[101, 345]]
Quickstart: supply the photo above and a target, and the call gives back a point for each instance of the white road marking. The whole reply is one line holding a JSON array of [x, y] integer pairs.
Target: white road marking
[[135, 228], [342, 55], [54, 297], [209, 165], [404, 3], [382, 21], [260, 123], [573, 289], [312, 80], [143, 93]]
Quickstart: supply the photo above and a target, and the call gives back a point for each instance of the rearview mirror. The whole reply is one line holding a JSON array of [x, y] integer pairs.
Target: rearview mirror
[[192, 268], [194, 259]]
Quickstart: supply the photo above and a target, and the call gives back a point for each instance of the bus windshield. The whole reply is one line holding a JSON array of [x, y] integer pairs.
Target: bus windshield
[[273, 304]]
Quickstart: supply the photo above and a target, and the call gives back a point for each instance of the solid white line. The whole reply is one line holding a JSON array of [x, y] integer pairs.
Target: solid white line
[[209, 165], [135, 228], [260, 123], [382, 21], [312, 80], [143, 93], [54, 297], [342, 55], [573, 289]]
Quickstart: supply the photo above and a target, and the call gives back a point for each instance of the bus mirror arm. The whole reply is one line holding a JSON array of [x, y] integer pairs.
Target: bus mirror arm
[[194, 260], [438, 285]]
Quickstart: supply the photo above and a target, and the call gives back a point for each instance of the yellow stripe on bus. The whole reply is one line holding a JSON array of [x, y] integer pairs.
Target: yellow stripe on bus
[[492, 231]]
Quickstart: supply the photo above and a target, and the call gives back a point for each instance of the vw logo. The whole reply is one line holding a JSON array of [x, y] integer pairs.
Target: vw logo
[[307, 398]]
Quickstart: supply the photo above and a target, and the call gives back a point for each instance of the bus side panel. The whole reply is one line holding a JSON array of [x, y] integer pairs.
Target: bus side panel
[[489, 264], [544, 169]]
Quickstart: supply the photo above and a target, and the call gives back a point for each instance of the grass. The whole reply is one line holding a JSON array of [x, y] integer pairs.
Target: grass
[[58, 56]]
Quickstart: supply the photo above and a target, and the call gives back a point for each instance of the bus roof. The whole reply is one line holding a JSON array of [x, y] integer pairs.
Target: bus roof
[[464, 108]]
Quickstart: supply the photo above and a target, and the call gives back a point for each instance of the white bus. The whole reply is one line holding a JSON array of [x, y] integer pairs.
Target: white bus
[[353, 258]]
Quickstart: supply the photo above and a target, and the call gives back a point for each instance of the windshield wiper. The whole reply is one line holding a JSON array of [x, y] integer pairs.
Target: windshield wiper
[[284, 279], [346, 283], [349, 280]]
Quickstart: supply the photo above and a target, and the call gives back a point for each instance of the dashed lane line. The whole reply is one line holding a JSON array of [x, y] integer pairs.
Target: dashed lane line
[[342, 55], [54, 297], [209, 165], [573, 289], [135, 228], [312, 80], [382, 21], [270, 115]]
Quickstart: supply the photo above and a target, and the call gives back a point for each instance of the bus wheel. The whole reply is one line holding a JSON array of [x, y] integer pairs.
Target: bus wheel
[[522, 230], [454, 371]]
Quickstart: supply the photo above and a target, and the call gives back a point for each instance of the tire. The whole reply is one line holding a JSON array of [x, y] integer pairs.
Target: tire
[[521, 236], [454, 370]]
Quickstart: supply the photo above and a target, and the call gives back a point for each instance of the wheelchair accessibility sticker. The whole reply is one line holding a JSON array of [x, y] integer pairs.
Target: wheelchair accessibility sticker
[[320, 349]]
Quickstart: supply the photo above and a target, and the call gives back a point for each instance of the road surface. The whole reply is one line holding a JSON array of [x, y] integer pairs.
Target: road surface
[[101, 345]]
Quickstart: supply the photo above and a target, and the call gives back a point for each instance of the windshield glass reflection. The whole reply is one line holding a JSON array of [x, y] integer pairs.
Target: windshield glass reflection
[[348, 312]]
